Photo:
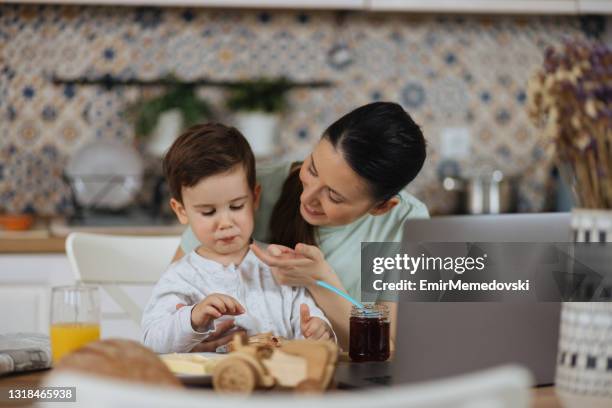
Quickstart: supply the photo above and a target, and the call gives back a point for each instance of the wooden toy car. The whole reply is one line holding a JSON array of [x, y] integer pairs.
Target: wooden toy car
[[302, 365]]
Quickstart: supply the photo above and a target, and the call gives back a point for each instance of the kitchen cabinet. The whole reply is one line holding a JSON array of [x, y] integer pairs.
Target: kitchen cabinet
[[270, 4], [595, 6], [478, 6], [25, 282], [418, 6], [24, 308], [25, 294], [427, 6]]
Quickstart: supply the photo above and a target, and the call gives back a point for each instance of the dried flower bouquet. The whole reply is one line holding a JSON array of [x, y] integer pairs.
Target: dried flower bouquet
[[570, 97]]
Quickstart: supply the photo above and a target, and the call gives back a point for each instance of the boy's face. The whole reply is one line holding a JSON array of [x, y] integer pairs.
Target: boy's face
[[220, 210]]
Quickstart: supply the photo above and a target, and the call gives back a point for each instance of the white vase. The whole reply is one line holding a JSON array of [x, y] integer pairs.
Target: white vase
[[584, 363], [169, 126], [261, 131]]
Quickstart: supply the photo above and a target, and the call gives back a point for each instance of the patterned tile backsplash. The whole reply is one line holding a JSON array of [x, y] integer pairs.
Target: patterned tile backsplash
[[447, 71]]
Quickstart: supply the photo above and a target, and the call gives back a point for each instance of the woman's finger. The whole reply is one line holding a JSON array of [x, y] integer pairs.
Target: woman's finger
[[180, 305], [289, 263], [271, 260], [278, 250], [308, 251], [263, 255]]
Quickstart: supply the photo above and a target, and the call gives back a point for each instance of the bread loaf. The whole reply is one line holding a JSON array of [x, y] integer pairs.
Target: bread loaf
[[119, 359]]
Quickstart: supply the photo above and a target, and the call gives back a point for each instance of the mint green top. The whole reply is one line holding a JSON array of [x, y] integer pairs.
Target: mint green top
[[341, 245]]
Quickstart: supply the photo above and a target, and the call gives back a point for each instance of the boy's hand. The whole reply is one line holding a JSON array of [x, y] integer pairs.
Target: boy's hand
[[313, 327], [212, 307], [224, 333]]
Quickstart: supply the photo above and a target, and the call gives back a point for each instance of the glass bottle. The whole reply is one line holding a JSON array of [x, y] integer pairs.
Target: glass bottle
[[369, 333]]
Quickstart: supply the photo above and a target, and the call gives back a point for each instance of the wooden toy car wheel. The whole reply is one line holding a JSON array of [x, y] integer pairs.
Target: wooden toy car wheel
[[234, 375]]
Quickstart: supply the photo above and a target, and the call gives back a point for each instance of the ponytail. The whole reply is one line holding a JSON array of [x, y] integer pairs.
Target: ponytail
[[287, 227]]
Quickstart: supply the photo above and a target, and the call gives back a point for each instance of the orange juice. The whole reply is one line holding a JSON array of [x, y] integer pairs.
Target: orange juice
[[67, 337]]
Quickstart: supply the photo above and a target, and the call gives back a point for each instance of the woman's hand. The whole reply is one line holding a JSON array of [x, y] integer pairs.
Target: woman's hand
[[301, 266]]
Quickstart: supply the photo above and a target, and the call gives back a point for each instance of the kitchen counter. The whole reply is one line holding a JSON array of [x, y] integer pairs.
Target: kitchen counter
[[49, 236], [32, 245]]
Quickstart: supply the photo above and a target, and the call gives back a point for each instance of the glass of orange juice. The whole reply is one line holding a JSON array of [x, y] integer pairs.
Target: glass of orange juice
[[75, 318]]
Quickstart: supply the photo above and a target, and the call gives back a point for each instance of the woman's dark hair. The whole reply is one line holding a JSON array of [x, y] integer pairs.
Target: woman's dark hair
[[380, 142]]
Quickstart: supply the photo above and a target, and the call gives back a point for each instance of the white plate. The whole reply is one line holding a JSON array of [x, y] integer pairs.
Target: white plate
[[204, 379]]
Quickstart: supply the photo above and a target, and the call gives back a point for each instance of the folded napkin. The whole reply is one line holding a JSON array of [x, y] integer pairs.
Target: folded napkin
[[24, 352]]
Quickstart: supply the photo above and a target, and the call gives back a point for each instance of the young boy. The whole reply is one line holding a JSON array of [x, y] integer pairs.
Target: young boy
[[211, 175]]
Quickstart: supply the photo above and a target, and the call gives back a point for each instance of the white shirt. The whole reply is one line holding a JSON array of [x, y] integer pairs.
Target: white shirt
[[270, 307]]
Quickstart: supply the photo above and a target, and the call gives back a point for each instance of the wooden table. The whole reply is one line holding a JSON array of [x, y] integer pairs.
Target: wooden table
[[543, 397]]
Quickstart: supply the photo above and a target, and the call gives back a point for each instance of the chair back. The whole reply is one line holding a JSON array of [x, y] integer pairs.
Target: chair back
[[113, 260], [501, 387]]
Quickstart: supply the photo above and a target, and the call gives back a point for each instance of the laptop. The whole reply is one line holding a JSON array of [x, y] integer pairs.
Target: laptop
[[437, 340]]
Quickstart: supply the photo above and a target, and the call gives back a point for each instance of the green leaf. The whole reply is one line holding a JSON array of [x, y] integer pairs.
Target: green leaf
[[262, 94], [145, 113]]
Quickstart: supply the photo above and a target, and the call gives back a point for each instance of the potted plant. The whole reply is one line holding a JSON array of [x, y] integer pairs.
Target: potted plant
[[161, 119], [258, 105], [570, 98]]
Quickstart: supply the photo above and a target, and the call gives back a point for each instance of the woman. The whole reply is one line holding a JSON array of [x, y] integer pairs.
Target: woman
[[318, 212]]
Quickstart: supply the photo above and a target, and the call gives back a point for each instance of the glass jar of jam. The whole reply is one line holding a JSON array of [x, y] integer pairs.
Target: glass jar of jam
[[369, 333]]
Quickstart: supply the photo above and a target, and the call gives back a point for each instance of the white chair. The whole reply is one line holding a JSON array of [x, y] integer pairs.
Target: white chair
[[503, 387], [113, 260]]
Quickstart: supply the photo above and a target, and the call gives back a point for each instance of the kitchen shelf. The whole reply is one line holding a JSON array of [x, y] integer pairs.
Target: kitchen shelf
[[108, 81], [248, 4], [477, 6], [595, 6]]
